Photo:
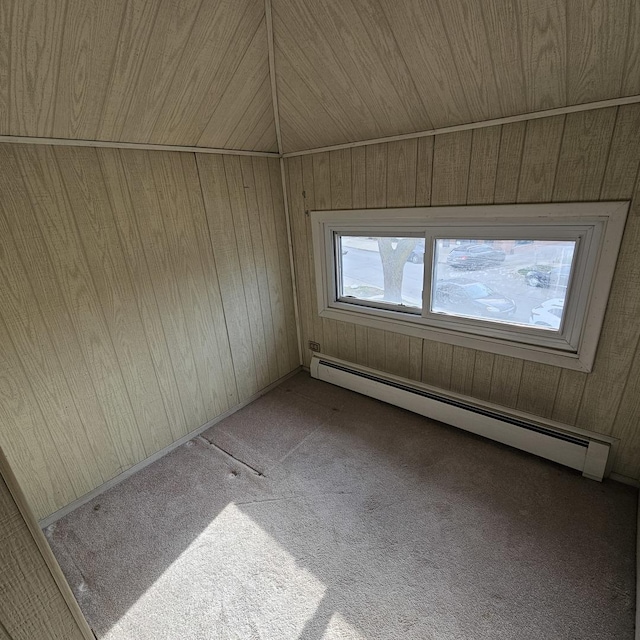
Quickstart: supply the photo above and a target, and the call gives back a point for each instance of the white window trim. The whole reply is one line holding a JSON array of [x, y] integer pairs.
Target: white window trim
[[600, 223]]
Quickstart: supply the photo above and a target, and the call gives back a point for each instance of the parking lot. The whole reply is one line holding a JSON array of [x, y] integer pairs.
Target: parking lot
[[363, 275]]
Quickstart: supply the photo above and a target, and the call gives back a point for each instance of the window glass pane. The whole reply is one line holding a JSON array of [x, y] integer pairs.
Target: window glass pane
[[382, 270], [519, 282]]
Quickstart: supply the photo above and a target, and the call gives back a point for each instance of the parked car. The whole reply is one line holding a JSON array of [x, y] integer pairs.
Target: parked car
[[556, 277], [548, 314], [472, 298], [417, 255], [475, 256]]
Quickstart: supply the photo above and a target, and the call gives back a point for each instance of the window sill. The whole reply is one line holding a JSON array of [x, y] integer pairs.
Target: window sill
[[396, 324]]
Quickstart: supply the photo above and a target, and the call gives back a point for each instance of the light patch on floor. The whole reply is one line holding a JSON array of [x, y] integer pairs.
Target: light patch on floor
[[243, 600], [353, 520]]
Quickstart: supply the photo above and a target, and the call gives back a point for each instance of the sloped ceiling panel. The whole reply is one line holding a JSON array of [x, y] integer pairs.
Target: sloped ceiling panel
[[187, 72], [350, 70]]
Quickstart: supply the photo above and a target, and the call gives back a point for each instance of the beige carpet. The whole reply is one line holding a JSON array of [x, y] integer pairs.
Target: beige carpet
[[348, 518]]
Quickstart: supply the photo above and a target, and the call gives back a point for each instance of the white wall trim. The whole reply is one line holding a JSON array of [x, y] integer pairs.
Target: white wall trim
[[285, 198], [522, 117], [69, 142], [292, 267], [6, 473], [72, 506], [534, 115], [587, 451], [599, 226]]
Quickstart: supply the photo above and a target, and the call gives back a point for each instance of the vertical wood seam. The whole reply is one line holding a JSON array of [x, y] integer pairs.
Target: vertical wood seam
[[54, 498], [98, 301], [109, 76], [560, 146], [636, 348], [16, 493], [175, 71], [265, 330], [283, 177], [138, 70], [74, 327], [213, 257], [451, 56], [153, 291], [609, 148], [294, 284], [58, 70], [466, 194], [54, 350], [242, 277], [171, 261], [122, 463], [627, 57]]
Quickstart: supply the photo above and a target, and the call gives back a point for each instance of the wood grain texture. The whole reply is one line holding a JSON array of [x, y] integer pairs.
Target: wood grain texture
[[36, 603], [501, 25], [5, 57], [483, 165], [37, 28], [401, 173], [469, 44], [509, 161], [91, 39], [462, 370], [122, 302], [437, 361], [592, 155], [309, 198], [54, 217], [482, 372], [137, 71], [631, 77], [424, 171], [81, 173], [451, 157], [596, 48], [197, 73], [585, 150], [538, 388], [542, 143], [543, 36], [421, 33], [302, 265], [349, 71]]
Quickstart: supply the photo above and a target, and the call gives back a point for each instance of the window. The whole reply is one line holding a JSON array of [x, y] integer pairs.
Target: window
[[531, 281]]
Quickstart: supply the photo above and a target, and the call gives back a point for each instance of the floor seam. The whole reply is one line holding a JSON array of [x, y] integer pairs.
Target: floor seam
[[230, 455]]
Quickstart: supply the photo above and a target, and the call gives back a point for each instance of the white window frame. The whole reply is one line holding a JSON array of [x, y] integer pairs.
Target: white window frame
[[596, 226]]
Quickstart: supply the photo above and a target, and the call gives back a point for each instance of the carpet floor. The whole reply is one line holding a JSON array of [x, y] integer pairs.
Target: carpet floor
[[315, 513]]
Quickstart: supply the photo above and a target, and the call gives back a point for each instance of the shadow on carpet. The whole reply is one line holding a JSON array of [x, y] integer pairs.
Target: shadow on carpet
[[318, 513]]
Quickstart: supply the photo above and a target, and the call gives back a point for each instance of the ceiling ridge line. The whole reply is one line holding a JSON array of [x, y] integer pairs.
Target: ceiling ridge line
[[283, 178], [272, 73], [481, 124], [109, 144]]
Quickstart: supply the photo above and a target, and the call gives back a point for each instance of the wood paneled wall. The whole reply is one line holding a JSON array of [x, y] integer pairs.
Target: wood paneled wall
[[142, 294], [185, 72], [36, 602], [593, 155], [351, 70]]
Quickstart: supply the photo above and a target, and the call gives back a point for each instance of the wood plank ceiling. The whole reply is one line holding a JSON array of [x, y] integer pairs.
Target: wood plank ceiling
[[196, 72], [187, 72], [351, 70]]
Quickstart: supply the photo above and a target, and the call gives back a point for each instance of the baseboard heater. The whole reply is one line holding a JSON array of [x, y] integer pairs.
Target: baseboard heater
[[590, 453]]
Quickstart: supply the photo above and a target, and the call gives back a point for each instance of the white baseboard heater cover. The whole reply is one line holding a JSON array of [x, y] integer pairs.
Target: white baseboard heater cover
[[590, 453]]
